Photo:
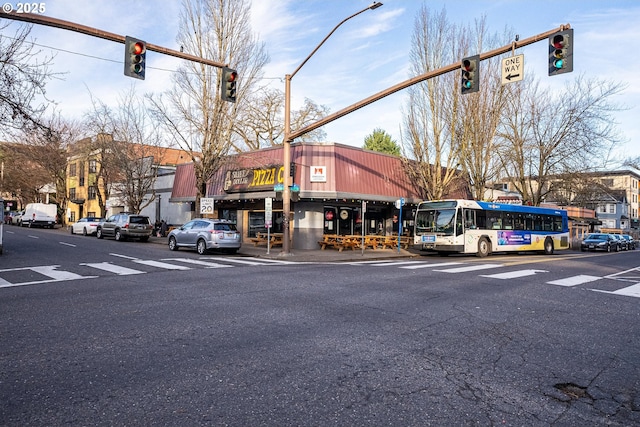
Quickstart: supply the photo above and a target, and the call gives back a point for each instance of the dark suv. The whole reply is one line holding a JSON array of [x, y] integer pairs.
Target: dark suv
[[125, 225]]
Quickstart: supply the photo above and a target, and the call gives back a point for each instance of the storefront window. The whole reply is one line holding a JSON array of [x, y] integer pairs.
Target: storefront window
[[257, 224]]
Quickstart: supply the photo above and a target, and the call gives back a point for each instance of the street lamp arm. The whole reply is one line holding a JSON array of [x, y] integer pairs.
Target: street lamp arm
[[371, 7]]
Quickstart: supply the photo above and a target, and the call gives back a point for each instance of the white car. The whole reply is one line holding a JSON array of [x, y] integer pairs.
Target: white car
[[86, 226], [17, 218]]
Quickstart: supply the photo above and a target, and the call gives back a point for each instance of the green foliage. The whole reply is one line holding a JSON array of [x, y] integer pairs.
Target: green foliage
[[381, 142]]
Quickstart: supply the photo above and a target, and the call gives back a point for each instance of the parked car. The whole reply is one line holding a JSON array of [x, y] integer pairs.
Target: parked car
[[8, 218], [599, 242], [204, 234], [631, 243], [125, 226], [86, 226], [622, 243], [17, 218]]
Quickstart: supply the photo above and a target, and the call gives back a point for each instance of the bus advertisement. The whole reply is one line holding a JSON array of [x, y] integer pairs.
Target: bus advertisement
[[476, 227]]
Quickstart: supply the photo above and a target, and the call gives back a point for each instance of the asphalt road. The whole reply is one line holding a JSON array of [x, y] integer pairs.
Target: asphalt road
[[514, 340]]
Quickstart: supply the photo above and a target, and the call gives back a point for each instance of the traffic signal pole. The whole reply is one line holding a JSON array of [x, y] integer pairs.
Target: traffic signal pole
[[414, 80], [94, 32]]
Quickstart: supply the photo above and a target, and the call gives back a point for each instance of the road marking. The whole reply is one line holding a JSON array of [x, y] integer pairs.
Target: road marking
[[396, 263], [513, 274], [68, 244], [197, 262], [470, 268], [159, 264], [440, 264], [51, 271], [630, 291], [246, 261], [574, 280], [112, 268], [123, 256]]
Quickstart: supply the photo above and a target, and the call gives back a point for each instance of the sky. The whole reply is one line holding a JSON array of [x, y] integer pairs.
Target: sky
[[366, 55]]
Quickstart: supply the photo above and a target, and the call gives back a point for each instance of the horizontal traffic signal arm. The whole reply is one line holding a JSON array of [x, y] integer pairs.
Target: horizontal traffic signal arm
[[414, 80], [78, 28]]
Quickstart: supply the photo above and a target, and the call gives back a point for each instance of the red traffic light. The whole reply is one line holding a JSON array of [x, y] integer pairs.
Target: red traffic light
[[138, 48], [231, 76]]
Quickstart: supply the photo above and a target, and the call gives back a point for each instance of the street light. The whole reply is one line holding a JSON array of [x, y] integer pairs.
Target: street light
[[286, 192]]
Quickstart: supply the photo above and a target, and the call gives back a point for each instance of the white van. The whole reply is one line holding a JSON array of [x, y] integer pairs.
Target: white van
[[40, 215]]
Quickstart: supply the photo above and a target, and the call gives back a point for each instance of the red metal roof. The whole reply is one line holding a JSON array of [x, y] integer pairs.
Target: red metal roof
[[350, 171]]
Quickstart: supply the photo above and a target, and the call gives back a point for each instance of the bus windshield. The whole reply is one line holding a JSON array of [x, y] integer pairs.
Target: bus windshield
[[435, 221]]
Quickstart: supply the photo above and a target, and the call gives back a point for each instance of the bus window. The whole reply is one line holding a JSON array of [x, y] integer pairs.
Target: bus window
[[547, 223], [459, 229], [469, 219], [518, 223], [508, 221]]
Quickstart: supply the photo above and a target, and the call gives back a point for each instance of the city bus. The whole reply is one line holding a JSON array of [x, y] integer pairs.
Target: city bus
[[475, 227]]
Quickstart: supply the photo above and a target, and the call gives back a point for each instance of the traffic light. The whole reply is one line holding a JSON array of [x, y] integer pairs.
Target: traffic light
[[561, 52], [470, 74], [135, 52], [228, 85]]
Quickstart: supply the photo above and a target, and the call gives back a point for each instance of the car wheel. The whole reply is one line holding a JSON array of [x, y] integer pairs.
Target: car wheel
[[484, 247], [118, 236], [84, 231], [173, 245], [548, 246], [617, 248], [608, 248], [71, 229], [201, 247], [99, 233]]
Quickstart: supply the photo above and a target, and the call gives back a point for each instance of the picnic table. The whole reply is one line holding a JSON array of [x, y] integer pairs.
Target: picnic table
[[339, 242], [273, 239], [373, 241]]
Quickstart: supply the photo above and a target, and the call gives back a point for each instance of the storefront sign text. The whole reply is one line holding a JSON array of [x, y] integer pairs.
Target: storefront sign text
[[257, 179]]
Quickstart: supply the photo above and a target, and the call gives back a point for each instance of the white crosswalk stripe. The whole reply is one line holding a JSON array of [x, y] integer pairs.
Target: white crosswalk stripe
[[206, 264], [159, 264], [574, 280], [441, 264], [469, 268], [513, 274], [113, 268]]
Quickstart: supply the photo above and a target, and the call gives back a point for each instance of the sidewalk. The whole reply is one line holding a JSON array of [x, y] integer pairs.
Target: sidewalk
[[315, 255]]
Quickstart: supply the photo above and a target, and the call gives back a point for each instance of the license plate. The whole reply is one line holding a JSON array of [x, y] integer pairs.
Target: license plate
[[428, 238]]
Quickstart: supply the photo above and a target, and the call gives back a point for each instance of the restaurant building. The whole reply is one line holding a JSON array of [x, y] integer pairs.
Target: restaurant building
[[337, 189]]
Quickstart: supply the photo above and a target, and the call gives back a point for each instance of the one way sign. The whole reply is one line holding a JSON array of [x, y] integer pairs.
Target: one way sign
[[512, 69]]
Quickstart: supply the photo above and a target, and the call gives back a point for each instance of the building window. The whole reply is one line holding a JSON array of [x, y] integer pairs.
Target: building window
[[92, 192], [72, 193], [93, 168], [81, 174], [612, 208], [91, 214], [72, 169]]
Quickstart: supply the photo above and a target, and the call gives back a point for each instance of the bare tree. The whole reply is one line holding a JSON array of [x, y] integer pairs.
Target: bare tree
[[480, 113], [20, 175], [262, 121], [545, 134], [128, 148], [48, 147], [431, 118], [197, 120], [22, 81]]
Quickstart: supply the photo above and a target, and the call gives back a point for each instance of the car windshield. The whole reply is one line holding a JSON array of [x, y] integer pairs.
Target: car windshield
[[597, 237]]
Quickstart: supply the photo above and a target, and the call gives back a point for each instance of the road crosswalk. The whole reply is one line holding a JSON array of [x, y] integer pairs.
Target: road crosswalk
[[625, 277], [122, 265], [23, 276]]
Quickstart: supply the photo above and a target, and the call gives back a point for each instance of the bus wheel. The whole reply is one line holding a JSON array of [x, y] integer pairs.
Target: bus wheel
[[548, 246], [484, 247]]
